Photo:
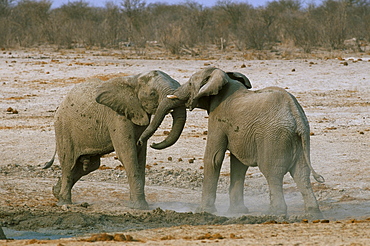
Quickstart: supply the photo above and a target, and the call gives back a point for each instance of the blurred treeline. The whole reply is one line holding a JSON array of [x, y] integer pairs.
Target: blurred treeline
[[28, 23]]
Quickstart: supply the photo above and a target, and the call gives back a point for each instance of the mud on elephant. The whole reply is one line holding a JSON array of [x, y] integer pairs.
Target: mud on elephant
[[99, 117], [266, 128]]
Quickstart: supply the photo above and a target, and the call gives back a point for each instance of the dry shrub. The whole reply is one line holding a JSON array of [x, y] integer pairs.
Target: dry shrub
[[188, 28]]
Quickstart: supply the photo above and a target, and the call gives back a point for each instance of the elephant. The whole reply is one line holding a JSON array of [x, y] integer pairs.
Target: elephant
[[266, 128], [97, 118]]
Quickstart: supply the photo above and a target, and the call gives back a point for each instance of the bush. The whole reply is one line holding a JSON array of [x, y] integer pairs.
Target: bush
[[184, 26]]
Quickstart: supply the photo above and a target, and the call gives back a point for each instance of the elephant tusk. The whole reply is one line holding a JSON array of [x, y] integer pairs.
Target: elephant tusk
[[172, 97]]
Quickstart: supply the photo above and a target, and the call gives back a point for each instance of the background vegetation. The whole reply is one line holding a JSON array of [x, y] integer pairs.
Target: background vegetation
[[180, 28]]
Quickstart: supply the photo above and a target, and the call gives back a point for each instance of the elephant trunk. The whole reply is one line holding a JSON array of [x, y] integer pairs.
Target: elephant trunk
[[179, 119]]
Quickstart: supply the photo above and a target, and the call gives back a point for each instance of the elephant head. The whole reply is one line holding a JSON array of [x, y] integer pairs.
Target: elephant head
[[138, 97], [193, 94]]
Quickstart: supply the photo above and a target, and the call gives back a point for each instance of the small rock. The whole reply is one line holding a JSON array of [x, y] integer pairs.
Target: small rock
[[85, 205], [12, 110]]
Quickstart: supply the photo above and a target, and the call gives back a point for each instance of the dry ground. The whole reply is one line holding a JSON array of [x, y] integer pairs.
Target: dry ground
[[335, 94]]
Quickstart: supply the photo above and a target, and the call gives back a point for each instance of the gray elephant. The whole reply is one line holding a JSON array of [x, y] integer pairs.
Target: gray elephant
[[99, 117], [265, 128]]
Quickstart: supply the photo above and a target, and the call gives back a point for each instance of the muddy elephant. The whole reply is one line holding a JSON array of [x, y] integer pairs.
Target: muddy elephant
[[99, 117], [266, 128]]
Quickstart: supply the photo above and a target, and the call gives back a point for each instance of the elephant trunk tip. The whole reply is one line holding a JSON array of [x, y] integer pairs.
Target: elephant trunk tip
[[160, 145], [140, 142]]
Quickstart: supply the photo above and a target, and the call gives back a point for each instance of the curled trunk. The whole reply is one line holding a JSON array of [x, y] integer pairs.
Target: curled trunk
[[179, 119]]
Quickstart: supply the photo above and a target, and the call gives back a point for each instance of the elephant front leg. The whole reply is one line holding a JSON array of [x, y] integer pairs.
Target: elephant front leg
[[137, 196], [213, 159], [236, 190], [135, 170], [133, 157]]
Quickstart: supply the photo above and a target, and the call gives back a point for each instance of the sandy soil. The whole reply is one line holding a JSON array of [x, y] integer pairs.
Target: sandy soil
[[335, 94]]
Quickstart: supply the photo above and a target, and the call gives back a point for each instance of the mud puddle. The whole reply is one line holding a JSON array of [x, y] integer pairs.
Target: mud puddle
[[55, 225]]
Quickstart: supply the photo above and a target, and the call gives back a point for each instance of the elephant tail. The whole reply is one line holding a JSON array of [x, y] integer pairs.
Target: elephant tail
[[304, 133], [316, 176], [49, 163], [305, 137]]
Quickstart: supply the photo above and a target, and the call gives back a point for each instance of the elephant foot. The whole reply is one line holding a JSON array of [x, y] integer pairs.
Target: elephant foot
[[238, 210], [314, 213], [142, 205], [276, 212], [209, 209], [64, 202]]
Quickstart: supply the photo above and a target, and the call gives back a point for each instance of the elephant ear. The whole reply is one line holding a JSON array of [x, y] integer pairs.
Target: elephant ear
[[241, 78], [213, 84], [120, 96]]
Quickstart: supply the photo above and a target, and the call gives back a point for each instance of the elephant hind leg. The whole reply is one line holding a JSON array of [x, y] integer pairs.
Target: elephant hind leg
[[62, 190], [277, 202], [301, 175]]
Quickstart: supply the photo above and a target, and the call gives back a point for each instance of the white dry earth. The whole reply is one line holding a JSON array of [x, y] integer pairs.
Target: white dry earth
[[334, 93]]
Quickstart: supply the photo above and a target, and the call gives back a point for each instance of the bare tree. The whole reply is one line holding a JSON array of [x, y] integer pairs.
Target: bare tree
[[134, 16], [5, 27], [183, 28]]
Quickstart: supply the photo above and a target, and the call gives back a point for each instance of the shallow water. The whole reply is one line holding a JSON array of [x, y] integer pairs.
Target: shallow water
[[17, 235]]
